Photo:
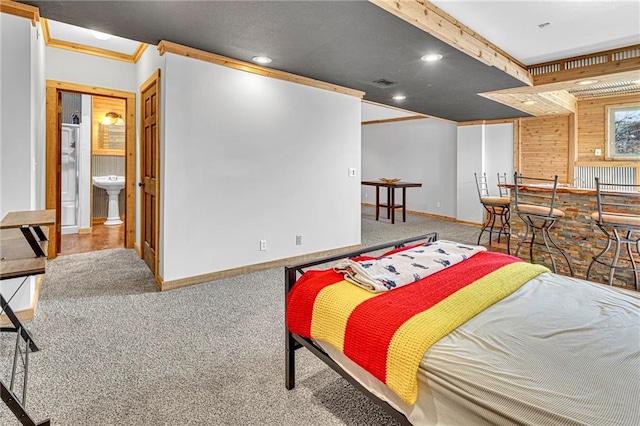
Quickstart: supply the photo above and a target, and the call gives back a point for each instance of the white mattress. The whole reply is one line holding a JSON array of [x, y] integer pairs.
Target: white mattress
[[557, 351]]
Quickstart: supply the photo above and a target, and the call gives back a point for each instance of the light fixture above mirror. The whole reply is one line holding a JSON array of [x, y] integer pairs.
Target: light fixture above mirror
[[112, 118]]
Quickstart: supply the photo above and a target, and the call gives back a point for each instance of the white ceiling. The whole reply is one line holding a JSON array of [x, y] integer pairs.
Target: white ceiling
[[83, 36], [577, 27]]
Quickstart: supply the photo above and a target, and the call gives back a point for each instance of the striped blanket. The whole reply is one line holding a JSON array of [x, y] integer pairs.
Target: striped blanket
[[393, 271], [388, 333]]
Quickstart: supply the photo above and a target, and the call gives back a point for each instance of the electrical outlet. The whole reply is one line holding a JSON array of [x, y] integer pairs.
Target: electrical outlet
[[298, 240], [598, 152], [438, 204], [263, 245], [352, 172]]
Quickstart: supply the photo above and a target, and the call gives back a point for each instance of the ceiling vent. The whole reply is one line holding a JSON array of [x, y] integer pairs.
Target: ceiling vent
[[384, 83]]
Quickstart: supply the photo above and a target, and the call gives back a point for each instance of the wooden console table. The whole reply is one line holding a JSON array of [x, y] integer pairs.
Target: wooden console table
[[391, 205], [23, 246]]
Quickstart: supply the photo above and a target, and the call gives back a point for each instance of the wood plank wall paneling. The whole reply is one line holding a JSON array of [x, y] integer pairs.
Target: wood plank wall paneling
[[544, 146], [592, 125], [100, 107]]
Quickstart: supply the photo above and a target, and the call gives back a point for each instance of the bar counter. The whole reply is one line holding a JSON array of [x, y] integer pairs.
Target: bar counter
[[576, 233]]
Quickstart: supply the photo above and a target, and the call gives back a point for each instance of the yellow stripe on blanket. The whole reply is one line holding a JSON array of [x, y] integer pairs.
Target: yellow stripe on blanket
[[330, 323], [445, 317]]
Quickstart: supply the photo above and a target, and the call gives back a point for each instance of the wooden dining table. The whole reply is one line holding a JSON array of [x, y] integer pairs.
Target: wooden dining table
[[390, 203]]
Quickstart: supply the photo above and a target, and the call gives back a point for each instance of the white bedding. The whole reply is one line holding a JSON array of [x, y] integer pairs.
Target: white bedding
[[557, 351]]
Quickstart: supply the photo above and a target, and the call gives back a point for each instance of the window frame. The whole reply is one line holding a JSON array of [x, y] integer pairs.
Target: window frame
[[610, 137]]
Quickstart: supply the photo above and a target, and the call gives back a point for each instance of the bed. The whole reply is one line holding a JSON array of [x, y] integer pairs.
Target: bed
[[555, 350]]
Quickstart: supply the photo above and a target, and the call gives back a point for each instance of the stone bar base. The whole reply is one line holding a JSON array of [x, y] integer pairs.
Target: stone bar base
[[578, 235]]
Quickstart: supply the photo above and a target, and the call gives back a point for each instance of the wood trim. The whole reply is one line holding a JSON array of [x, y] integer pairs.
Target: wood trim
[[51, 167], [22, 10], [130, 173], [200, 279], [444, 27], [393, 120], [53, 155], [365, 101], [608, 53], [88, 230], [611, 66], [44, 26], [405, 111], [91, 90], [90, 50], [573, 147], [139, 51], [154, 76], [609, 163], [431, 215], [169, 47], [497, 121], [98, 151], [29, 313]]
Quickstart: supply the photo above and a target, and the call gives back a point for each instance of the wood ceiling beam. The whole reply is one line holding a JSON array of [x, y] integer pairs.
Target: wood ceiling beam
[[429, 18], [590, 71]]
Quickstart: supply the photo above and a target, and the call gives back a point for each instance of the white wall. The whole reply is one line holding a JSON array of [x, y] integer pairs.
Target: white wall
[[248, 157], [18, 93], [73, 67], [470, 161], [498, 153], [482, 149], [84, 169], [421, 151]]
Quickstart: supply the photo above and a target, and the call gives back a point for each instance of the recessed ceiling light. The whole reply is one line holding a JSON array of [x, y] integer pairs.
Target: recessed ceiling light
[[100, 36], [261, 59], [399, 98], [586, 82], [432, 57], [529, 102]]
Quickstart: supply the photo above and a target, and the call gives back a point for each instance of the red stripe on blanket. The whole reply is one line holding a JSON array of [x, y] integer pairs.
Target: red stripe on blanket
[[373, 323], [300, 303]]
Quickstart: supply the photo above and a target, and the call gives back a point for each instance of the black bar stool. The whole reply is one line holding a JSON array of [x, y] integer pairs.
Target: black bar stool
[[619, 228], [537, 211], [497, 208]]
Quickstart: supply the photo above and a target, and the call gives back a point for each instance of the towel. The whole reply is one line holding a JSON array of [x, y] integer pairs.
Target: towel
[[405, 267]]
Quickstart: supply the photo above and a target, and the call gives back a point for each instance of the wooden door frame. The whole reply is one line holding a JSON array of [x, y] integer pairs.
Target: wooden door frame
[[153, 79], [53, 156]]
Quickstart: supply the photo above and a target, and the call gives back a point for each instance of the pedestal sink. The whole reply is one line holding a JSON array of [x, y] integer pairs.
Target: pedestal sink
[[113, 185]]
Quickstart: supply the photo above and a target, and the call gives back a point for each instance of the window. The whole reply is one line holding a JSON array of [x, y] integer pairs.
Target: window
[[623, 131]]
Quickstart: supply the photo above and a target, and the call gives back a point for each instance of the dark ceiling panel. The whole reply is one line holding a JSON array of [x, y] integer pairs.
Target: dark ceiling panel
[[349, 43]]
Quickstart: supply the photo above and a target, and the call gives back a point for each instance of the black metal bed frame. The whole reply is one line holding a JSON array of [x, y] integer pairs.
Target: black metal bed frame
[[294, 342]]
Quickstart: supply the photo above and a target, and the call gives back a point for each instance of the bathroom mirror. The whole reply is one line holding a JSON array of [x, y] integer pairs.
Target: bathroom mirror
[[110, 141]]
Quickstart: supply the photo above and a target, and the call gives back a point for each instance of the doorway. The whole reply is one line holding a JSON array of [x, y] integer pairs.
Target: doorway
[[93, 172], [59, 158]]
